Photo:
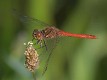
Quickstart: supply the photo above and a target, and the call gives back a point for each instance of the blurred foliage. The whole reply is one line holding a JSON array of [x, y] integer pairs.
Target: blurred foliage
[[72, 59]]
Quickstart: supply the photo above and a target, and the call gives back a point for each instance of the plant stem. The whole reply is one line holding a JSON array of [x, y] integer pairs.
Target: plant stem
[[34, 75]]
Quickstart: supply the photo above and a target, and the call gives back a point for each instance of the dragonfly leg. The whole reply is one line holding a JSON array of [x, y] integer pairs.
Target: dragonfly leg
[[45, 45], [39, 42]]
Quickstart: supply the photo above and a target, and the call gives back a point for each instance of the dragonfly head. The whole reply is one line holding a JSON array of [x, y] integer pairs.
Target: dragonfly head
[[37, 34]]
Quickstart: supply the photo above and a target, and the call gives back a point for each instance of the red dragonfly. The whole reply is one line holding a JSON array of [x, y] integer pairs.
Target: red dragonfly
[[53, 32], [50, 32]]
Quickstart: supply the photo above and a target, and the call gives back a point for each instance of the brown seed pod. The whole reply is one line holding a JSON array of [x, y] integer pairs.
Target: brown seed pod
[[31, 56]]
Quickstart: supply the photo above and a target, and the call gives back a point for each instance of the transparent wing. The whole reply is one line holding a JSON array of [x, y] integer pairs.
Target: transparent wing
[[50, 45], [29, 20], [45, 53]]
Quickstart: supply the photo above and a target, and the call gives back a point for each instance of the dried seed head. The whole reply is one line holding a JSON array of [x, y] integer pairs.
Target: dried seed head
[[32, 60]]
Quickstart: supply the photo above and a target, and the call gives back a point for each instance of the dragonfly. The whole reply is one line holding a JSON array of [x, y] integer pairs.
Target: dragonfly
[[49, 32], [53, 32]]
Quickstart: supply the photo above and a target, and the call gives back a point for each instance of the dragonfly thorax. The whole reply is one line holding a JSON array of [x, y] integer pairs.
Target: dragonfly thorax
[[37, 34]]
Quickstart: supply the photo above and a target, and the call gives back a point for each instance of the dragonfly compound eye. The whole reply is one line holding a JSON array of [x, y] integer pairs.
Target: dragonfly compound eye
[[37, 34]]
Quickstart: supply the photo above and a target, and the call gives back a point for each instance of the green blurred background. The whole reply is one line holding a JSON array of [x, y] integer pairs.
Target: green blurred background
[[72, 59]]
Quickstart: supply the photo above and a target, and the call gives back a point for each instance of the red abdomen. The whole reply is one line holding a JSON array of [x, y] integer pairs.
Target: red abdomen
[[88, 36]]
